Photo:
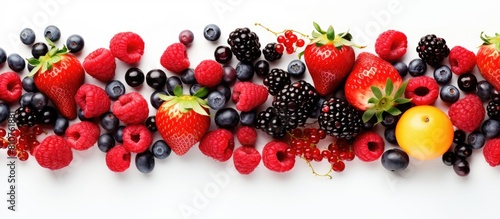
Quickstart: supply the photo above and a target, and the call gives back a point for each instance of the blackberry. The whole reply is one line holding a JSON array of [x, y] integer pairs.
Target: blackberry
[[295, 102], [270, 53], [25, 116], [276, 80], [339, 119], [269, 122], [432, 49], [493, 109], [244, 44]]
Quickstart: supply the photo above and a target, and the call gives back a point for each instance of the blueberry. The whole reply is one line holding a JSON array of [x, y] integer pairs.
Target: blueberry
[[467, 82], [229, 75], [216, 100], [262, 68], [156, 79], [395, 160], [105, 142], [29, 84], [449, 158], [490, 128], [109, 122], [60, 126], [461, 167], [402, 68], [39, 49], [195, 87], [151, 124], [187, 76], [417, 67], [155, 100], [458, 136], [3, 56], [248, 118], [52, 33], [390, 135], [476, 140], [317, 108], [211, 32], [390, 121], [39, 100], [224, 90], [186, 37], [483, 90], [75, 43], [81, 115], [16, 62], [145, 161], [27, 36], [173, 82], [463, 150], [296, 68], [25, 100], [160, 149], [449, 93], [134, 77], [115, 89], [442, 74], [4, 112], [47, 115], [118, 134], [244, 71], [227, 118], [223, 54]]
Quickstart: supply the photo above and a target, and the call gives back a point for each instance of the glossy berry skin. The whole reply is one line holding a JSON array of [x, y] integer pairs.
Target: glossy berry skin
[[186, 37], [296, 68], [244, 71], [248, 118], [395, 160], [187, 76], [16, 62], [60, 126], [160, 149], [262, 68], [4, 112], [442, 74], [25, 100], [417, 67], [461, 167], [224, 90], [223, 54], [390, 121], [134, 77], [449, 93], [39, 49], [105, 142], [52, 33], [114, 89], [109, 122], [156, 79], [484, 89], [29, 84], [490, 128], [3, 56], [459, 136], [195, 87], [75, 43], [216, 100], [449, 158], [211, 32], [118, 134], [227, 118], [476, 140], [151, 124], [401, 67], [390, 136], [39, 101], [173, 82], [463, 150], [229, 74], [145, 162], [27, 36], [467, 82], [155, 100]]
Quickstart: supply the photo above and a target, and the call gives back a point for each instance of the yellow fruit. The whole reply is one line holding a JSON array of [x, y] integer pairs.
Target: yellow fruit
[[424, 132]]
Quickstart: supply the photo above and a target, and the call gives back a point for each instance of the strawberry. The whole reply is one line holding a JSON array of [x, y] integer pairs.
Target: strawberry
[[58, 74], [329, 58], [374, 86], [488, 59], [182, 120]]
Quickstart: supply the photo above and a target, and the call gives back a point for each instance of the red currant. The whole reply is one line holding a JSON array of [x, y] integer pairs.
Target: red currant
[[350, 156], [288, 33], [332, 147], [338, 166], [279, 48], [343, 155], [12, 140], [38, 130], [332, 159], [11, 153], [326, 153], [314, 138], [321, 134], [300, 43], [293, 38], [281, 39], [23, 155], [290, 152], [299, 151], [15, 133], [297, 133], [288, 44], [2, 132]]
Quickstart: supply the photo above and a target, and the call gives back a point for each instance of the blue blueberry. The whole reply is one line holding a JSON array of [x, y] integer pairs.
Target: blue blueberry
[[296, 68], [47, 116], [160, 149], [173, 82], [216, 100], [114, 89], [476, 139], [195, 87], [490, 128], [156, 79], [229, 75], [395, 160], [401, 67], [39, 49], [244, 71], [134, 77], [390, 135], [211, 32], [109, 122], [60, 126], [155, 100], [3, 56], [105, 142], [442, 74], [467, 82], [187, 76], [118, 134], [25, 100], [75, 43], [29, 84], [145, 161], [39, 100], [52, 33], [449, 93], [262, 68], [4, 112], [483, 90], [248, 118], [224, 90], [417, 67], [227, 118], [27, 36], [151, 124], [390, 121], [16, 62]]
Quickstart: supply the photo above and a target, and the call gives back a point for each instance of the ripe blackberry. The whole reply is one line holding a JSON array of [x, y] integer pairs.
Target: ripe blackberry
[[339, 119], [295, 102], [276, 80], [269, 122], [493, 109], [432, 49], [25, 116], [244, 44], [270, 53]]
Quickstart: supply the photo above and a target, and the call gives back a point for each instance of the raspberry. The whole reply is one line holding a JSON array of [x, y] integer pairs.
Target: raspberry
[[118, 159], [208, 73], [467, 113], [246, 135], [218, 144], [248, 95], [368, 146], [422, 90], [137, 138], [175, 58], [93, 100], [127, 47], [82, 135], [461, 60], [54, 153], [246, 159], [100, 64], [491, 152], [391, 45], [11, 87], [275, 158], [131, 108]]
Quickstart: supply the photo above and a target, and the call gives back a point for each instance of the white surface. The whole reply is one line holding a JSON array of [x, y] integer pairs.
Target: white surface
[[209, 189]]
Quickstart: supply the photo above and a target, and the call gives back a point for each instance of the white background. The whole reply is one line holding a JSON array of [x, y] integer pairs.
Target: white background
[[209, 189]]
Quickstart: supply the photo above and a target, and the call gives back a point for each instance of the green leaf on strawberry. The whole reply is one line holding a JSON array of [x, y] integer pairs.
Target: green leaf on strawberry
[[385, 103], [45, 63], [187, 102]]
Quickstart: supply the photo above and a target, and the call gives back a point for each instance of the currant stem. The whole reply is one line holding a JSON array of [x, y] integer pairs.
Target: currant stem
[[327, 174], [277, 33]]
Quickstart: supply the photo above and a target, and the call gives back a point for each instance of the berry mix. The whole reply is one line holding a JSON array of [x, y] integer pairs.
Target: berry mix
[[331, 119]]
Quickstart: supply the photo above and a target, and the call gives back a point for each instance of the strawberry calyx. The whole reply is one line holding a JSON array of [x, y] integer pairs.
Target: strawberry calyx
[[185, 103], [488, 40], [45, 62], [321, 37], [385, 103]]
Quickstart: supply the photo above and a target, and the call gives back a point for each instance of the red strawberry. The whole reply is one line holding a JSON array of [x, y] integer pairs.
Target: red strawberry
[[58, 75], [374, 86], [182, 120], [329, 58], [488, 59]]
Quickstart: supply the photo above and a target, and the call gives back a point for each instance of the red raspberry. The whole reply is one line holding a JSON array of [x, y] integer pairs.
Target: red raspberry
[[246, 135], [248, 95], [368, 146], [462, 60], [467, 113], [246, 159], [11, 87], [137, 138], [127, 47], [423, 90], [175, 58], [218, 144], [491, 152], [82, 135], [118, 159], [54, 152], [100, 64], [131, 108], [391, 45], [208, 73], [275, 158], [93, 100]]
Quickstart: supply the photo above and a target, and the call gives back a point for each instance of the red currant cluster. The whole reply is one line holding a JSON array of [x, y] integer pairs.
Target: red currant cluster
[[289, 42], [24, 140]]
